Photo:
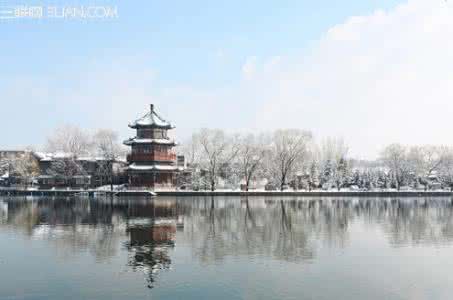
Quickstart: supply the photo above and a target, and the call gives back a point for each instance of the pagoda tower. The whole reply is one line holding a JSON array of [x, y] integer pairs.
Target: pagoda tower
[[152, 162]]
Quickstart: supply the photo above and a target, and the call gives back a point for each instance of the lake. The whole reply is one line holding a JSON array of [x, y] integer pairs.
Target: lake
[[226, 248]]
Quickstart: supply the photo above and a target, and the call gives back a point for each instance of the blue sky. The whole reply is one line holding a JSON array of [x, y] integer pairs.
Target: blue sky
[[180, 39], [173, 53]]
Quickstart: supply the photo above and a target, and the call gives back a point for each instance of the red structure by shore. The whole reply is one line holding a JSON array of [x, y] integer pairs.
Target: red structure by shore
[[152, 162]]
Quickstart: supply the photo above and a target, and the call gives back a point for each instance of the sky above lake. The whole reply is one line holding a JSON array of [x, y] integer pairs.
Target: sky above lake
[[373, 72]]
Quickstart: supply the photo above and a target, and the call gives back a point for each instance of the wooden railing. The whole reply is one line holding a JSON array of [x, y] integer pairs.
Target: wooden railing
[[151, 157]]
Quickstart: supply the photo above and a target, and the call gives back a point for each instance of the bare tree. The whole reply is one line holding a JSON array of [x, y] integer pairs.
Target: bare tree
[[192, 150], [217, 149], [66, 167], [429, 158], [5, 165], [107, 146], [395, 157], [289, 149], [333, 149], [25, 167], [251, 153], [69, 139]]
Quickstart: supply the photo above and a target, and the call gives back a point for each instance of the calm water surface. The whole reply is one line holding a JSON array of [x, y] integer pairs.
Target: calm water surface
[[227, 248]]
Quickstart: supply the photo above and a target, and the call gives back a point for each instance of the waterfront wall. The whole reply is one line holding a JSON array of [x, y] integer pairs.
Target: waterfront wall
[[12, 192], [307, 194]]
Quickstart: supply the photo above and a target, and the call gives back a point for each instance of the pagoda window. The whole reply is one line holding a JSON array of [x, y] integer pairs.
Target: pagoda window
[[154, 133], [145, 133], [163, 149]]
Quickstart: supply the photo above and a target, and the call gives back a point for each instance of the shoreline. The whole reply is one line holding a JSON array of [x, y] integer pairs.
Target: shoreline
[[307, 194], [69, 193]]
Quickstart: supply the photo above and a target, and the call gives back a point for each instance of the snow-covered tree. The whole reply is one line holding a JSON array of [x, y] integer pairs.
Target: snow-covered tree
[[250, 156], [69, 139], [109, 149], [446, 168], [332, 155], [216, 150], [288, 150], [341, 173], [66, 168], [395, 157], [192, 150], [24, 167], [5, 165], [333, 149], [427, 160], [313, 180], [198, 180], [327, 174]]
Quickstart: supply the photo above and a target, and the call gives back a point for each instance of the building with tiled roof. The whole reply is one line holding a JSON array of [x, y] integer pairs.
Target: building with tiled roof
[[152, 162]]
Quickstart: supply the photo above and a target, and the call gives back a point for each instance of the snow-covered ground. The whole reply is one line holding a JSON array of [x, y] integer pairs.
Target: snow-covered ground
[[119, 187]]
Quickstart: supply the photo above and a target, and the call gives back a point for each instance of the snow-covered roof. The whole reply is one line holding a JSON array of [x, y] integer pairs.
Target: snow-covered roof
[[43, 156], [151, 119], [153, 167], [40, 155], [54, 176], [149, 141], [90, 158]]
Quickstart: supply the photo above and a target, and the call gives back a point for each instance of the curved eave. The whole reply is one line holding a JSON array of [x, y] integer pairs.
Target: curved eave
[[138, 126], [133, 142], [153, 168]]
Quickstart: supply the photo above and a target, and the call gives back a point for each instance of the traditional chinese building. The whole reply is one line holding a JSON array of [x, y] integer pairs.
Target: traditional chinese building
[[152, 162]]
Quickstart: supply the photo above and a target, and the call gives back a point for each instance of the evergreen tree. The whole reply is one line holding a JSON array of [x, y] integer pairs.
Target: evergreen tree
[[327, 174], [313, 176], [341, 173]]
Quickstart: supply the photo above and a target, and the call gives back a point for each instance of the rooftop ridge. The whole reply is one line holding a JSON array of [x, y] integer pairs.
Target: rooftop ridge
[[151, 118]]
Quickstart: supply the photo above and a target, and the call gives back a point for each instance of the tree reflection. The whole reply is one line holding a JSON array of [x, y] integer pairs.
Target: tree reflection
[[215, 228]]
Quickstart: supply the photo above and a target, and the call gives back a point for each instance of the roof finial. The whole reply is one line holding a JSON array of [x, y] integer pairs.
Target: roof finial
[[151, 107]]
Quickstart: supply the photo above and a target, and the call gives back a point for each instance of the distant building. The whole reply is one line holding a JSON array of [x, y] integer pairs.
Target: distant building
[[89, 173], [152, 162]]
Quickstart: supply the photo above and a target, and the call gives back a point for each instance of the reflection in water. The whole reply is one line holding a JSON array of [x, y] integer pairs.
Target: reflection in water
[[215, 228], [148, 248]]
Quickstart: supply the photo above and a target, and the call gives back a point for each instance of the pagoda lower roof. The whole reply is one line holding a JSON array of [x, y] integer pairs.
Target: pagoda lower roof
[[136, 167], [136, 140]]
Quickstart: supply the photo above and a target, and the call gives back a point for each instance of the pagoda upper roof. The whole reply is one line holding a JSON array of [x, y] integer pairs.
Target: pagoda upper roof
[[152, 120]]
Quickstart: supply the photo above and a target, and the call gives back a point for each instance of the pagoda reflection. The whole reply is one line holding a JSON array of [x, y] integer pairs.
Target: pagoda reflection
[[152, 233], [149, 248]]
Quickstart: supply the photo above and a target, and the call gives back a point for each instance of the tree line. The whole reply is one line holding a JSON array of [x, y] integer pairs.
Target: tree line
[[292, 158], [284, 158]]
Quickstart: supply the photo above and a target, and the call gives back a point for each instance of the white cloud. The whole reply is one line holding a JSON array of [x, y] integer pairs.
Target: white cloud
[[249, 67], [374, 79]]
